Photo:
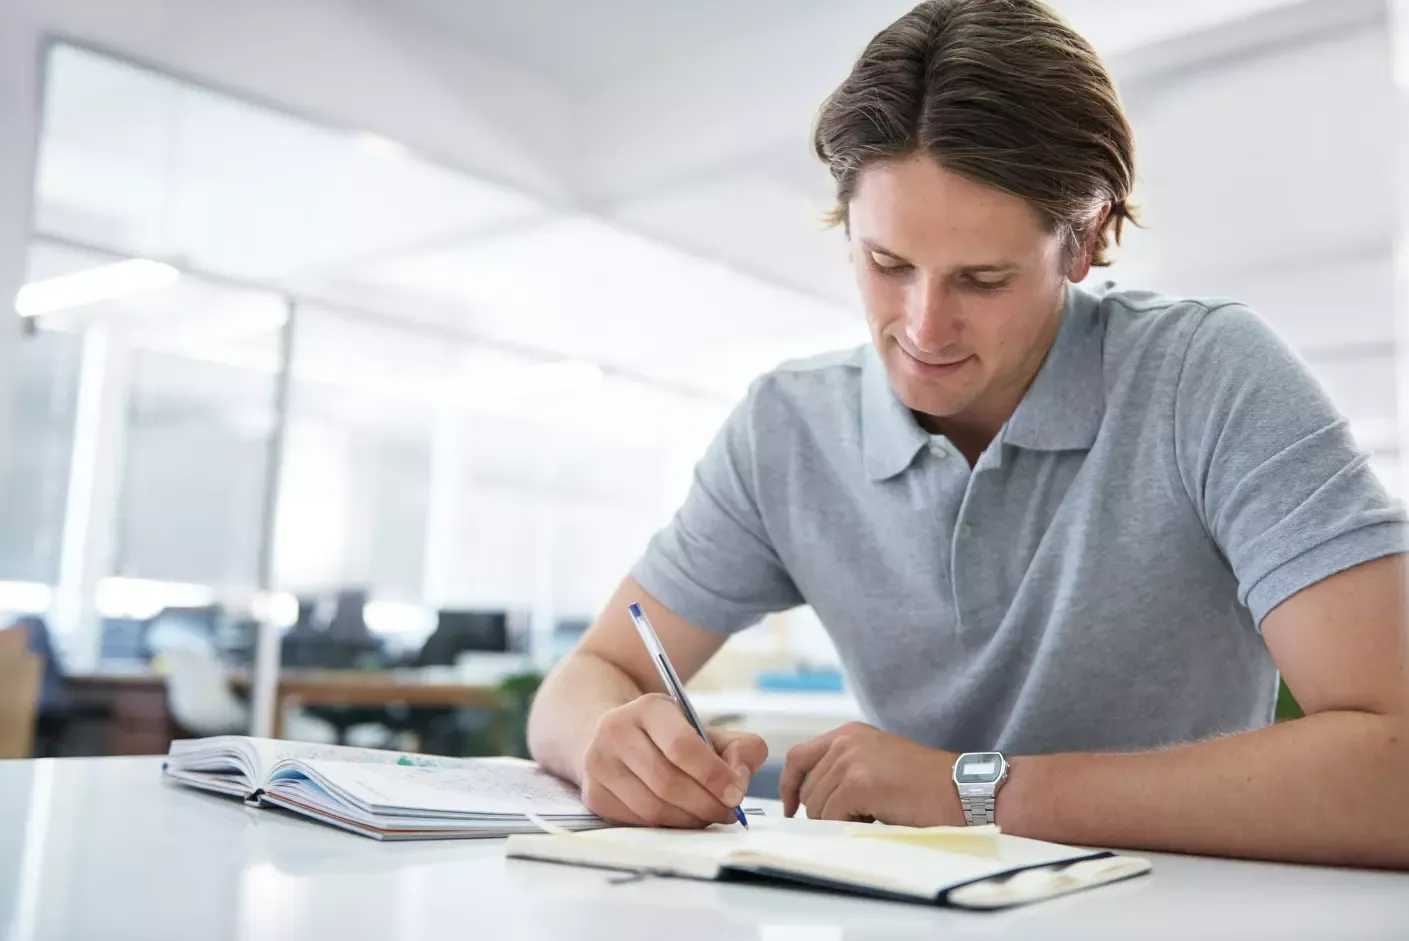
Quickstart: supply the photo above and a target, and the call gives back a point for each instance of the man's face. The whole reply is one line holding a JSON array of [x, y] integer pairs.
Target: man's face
[[962, 286]]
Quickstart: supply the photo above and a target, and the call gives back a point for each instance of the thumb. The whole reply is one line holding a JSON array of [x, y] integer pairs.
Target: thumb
[[740, 750]]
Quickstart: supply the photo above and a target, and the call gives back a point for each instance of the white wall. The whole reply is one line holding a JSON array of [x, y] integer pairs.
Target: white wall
[[19, 93], [352, 66], [1267, 175]]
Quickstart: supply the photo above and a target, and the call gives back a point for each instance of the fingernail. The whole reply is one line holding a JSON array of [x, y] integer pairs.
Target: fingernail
[[733, 795]]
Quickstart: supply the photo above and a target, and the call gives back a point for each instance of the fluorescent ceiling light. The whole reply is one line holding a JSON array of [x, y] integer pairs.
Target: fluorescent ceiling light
[[25, 597], [105, 283], [396, 618], [140, 598], [279, 608]]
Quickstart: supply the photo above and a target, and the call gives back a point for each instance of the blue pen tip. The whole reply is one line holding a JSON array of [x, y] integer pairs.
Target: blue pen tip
[[742, 819], [636, 611]]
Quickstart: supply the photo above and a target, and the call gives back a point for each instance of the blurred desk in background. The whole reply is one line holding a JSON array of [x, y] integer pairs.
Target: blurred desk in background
[[412, 688], [141, 722]]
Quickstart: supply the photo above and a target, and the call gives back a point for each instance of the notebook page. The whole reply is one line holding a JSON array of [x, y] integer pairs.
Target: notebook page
[[826, 850], [895, 866]]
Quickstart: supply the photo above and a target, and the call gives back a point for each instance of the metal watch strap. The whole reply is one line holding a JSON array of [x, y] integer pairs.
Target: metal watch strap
[[978, 811]]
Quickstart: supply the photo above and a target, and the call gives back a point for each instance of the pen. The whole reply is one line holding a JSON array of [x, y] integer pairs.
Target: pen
[[673, 686]]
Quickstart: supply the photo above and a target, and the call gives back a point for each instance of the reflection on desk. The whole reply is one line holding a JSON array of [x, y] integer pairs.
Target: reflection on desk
[[99, 848]]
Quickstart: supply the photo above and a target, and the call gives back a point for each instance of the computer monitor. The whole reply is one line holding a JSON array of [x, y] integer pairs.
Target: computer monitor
[[458, 632]]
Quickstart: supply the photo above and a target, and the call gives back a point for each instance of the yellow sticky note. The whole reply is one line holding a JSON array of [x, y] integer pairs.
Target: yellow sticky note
[[972, 841]]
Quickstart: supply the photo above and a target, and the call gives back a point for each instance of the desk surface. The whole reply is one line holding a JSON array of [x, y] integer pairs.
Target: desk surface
[[101, 848]]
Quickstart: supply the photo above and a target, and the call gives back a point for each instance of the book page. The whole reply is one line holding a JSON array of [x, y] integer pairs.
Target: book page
[[470, 786], [272, 751], [259, 757]]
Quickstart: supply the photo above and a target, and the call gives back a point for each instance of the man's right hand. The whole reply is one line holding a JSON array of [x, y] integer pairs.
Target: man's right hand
[[647, 766]]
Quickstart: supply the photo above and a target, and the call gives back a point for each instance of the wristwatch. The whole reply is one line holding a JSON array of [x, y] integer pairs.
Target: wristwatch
[[978, 775]]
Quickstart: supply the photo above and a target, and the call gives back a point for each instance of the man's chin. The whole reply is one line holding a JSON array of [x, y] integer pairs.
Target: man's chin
[[924, 397], [935, 406]]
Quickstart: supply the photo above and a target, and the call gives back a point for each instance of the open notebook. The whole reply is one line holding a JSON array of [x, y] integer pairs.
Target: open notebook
[[386, 795], [976, 867]]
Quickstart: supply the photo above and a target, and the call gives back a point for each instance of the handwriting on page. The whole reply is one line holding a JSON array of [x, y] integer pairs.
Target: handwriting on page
[[524, 786], [488, 787], [272, 751]]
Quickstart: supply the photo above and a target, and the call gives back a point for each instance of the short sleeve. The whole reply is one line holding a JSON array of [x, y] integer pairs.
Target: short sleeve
[[714, 563], [1271, 466]]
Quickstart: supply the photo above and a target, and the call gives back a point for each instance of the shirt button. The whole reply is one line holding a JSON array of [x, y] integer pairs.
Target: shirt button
[[939, 451], [965, 530]]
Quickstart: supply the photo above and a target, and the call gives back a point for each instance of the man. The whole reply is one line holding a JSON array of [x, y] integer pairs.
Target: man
[[1082, 529]]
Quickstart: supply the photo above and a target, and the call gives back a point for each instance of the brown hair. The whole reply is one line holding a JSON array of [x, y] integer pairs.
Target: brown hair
[[1003, 92]]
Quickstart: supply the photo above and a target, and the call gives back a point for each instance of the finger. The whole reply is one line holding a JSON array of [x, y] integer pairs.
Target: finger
[[840, 802], [644, 802], [742, 751], [740, 748], [684, 748], [602, 802], [801, 759], [820, 782], [667, 781]]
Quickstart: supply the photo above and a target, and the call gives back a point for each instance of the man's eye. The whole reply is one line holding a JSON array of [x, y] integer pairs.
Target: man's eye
[[887, 263], [978, 285]]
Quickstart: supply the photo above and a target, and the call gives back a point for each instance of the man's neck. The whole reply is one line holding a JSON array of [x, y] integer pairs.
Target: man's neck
[[973, 431]]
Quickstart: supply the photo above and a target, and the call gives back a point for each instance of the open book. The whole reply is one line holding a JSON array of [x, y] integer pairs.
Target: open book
[[386, 795], [974, 867]]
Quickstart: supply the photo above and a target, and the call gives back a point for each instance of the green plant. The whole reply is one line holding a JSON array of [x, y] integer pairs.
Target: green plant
[[1287, 707], [507, 732]]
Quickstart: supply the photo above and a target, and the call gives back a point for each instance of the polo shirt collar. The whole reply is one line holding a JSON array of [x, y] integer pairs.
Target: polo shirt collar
[[889, 433], [1066, 403], [1061, 411]]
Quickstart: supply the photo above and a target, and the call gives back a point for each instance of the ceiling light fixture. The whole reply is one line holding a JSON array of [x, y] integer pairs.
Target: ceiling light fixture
[[104, 283]]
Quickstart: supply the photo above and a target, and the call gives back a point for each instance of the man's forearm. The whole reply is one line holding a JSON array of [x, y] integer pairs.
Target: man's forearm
[[568, 707], [1328, 788]]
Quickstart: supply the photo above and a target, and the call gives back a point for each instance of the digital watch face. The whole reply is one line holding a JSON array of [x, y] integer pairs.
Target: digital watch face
[[983, 768]]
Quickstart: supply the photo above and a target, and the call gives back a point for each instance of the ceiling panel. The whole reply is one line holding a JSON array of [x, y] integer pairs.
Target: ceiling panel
[[137, 161], [585, 289]]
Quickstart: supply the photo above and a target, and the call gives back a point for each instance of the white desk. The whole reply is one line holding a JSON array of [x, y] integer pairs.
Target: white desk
[[834, 708], [100, 848]]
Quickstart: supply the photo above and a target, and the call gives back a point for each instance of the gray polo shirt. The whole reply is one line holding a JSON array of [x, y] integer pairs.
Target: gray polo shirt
[[1096, 581]]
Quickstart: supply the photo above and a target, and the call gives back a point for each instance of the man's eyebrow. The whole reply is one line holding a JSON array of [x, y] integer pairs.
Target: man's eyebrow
[[871, 245], [988, 269]]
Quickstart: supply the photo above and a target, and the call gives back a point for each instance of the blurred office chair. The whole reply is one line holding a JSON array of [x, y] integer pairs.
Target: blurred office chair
[[443, 731], [58, 712], [348, 621], [199, 695], [19, 695], [172, 626], [458, 632], [342, 641], [202, 702]]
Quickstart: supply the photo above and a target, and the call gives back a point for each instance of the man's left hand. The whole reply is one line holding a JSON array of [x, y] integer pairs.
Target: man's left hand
[[858, 772]]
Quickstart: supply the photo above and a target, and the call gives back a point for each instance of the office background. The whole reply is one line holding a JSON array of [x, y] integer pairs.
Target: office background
[[412, 310]]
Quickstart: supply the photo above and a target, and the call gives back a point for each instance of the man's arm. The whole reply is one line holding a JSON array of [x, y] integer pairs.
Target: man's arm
[[609, 668], [602, 721], [1327, 788]]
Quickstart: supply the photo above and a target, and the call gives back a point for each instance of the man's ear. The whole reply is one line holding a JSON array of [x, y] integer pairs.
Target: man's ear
[[1081, 265]]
